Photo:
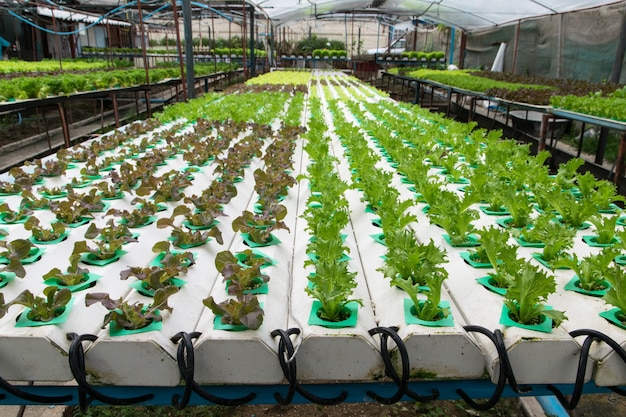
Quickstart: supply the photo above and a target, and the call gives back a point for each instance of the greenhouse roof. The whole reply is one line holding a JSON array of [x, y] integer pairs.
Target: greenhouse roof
[[464, 14]]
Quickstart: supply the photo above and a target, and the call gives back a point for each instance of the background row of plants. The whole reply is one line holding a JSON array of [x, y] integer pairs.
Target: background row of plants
[[598, 99], [225, 51], [11, 68], [43, 86]]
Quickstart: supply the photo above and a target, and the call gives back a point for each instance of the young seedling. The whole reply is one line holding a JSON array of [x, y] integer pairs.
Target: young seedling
[[41, 234], [74, 275], [42, 309], [244, 310], [10, 216], [238, 277], [592, 269], [133, 316], [14, 252]]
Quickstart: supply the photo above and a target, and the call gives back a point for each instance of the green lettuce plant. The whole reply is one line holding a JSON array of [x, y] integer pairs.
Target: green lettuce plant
[[74, 274], [591, 269], [616, 295], [15, 251], [238, 277], [133, 316], [42, 234], [42, 309], [526, 293]]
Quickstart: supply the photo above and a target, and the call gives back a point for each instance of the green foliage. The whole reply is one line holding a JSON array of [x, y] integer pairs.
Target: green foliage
[[74, 275], [41, 308], [453, 215], [241, 277], [526, 294], [591, 269], [14, 251], [616, 295], [244, 310], [408, 259], [133, 316], [332, 285], [42, 234]]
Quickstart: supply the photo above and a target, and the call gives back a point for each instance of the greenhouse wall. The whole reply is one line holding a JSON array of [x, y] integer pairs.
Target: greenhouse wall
[[580, 45]]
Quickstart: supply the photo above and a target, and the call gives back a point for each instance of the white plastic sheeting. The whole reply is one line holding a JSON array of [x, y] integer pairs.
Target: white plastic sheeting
[[77, 17], [463, 14]]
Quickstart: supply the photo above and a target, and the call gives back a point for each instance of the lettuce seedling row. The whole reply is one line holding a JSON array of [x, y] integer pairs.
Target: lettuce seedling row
[[174, 172]]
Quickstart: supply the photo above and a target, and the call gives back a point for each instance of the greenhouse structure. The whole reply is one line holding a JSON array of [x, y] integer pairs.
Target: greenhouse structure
[[236, 202]]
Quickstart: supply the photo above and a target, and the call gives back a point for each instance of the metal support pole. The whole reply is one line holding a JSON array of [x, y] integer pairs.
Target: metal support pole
[[143, 43], [58, 38], [580, 140], [602, 142], [179, 50], [188, 48], [519, 24], [65, 127], [545, 120], [243, 39], [115, 112], [619, 164], [252, 57]]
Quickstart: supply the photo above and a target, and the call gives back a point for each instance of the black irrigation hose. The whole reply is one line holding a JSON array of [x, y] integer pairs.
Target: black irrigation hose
[[186, 367], [502, 374], [290, 372], [186, 364], [31, 397], [580, 378], [504, 361], [289, 368], [77, 365], [401, 381], [592, 336]]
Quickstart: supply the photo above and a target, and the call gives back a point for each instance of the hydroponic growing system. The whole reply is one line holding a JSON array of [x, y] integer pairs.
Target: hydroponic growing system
[[320, 244]]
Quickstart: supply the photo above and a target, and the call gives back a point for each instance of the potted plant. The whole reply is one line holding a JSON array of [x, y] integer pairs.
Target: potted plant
[[71, 213], [16, 253], [455, 216], [557, 239], [108, 240], [141, 216], [430, 311], [605, 229], [187, 238], [32, 202], [332, 286], [407, 259], [52, 193]]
